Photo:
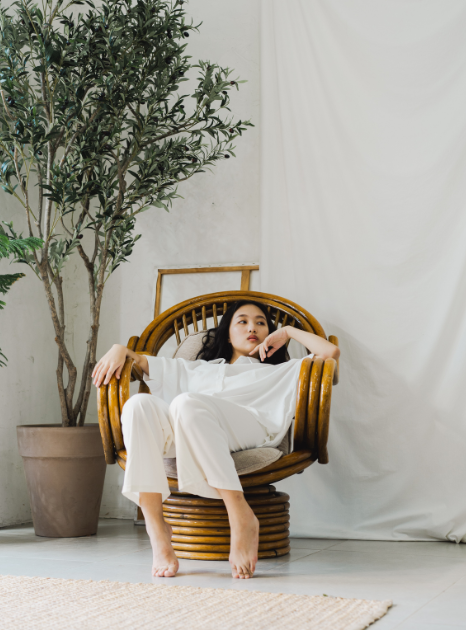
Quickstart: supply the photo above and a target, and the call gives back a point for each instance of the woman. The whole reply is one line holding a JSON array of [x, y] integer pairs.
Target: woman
[[239, 393]]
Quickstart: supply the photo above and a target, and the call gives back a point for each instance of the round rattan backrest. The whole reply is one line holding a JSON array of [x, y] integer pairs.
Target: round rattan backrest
[[196, 311]]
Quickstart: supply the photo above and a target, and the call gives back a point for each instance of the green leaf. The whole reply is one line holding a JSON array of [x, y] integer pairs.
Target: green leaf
[[7, 280]]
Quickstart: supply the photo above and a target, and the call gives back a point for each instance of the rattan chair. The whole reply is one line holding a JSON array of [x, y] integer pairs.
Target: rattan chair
[[200, 525]]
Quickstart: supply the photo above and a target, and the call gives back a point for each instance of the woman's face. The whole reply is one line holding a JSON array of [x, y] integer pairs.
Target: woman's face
[[248, 328]]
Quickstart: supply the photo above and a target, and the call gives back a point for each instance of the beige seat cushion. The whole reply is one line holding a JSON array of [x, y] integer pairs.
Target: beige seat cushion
[[245, 461], [284, 445], [190, 346]]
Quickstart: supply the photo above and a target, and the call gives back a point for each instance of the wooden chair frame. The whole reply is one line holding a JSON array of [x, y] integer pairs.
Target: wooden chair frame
[[197, 519]]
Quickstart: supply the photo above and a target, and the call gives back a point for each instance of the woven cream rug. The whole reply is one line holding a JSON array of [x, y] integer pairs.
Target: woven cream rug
[[34, 603]]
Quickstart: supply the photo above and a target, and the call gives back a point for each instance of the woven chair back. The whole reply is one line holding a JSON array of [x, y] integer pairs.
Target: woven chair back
[[196, 312]]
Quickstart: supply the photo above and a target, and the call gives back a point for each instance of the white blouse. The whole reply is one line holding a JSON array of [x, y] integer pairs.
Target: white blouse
[[268, 391]]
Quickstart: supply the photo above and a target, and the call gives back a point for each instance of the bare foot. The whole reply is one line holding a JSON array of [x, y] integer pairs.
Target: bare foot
[[165, 563], [244, 546]]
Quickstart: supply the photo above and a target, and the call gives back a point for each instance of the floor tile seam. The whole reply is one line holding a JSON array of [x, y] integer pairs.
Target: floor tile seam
[[120, 538], [100, 541], [115, 557], [17, 526], [16, 536], [391, 554], [455, 583], [337, 542], [9, 556], [40, 552], [320, 549], [427, 624], [45, 556], [100, 560], [26, 538], [429, 601], [67, 561], [285, 563]]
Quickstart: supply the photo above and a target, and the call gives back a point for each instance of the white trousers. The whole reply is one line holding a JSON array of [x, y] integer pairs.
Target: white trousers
[[200, 430]]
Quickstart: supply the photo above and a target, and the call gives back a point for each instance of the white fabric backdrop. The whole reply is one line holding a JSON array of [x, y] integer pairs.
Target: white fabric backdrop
[[364, 224]]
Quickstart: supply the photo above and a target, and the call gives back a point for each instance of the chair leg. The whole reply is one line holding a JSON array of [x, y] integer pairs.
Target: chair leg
[[201, 529]]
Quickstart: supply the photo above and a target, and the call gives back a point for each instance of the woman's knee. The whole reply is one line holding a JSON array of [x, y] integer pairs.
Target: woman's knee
[[185, 408], [134, 405], [180, 403]]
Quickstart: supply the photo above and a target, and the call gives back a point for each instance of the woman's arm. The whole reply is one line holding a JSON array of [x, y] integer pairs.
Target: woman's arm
[[113, 362], [320, 347], [315, 344]]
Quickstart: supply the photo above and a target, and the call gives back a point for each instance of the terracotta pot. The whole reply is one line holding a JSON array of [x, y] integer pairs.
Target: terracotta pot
[[65, 471]]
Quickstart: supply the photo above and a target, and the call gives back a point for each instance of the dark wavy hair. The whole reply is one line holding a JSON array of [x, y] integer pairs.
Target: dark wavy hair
[[215, 344]]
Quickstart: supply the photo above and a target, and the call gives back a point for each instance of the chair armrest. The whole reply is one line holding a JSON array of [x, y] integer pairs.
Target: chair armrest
[[313, 405], [104, 424], [313, 402], [136, 372], [302, 404], [110, 401], [138, 375], [336, 376], [323, 421]]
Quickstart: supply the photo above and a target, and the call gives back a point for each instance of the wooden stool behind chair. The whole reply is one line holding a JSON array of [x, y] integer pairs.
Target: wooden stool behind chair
[[200, 526]]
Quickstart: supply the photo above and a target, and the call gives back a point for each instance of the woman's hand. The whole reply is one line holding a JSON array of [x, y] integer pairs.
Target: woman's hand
[[110, 363], [317, 345], [272, 343]]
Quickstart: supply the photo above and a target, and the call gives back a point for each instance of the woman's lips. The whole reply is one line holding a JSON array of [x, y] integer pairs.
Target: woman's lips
[[252, 338]]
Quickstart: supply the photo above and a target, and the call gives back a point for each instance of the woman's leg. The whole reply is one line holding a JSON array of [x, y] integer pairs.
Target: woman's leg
[[244, 527], [207, 429], [164, 561], [148, 439]]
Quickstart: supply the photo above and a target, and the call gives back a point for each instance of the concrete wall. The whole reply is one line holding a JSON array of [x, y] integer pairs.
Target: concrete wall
[[216, 222], [28, 383]]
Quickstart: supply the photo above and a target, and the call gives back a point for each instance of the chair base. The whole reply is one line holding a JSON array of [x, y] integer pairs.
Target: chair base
[[201, 530]]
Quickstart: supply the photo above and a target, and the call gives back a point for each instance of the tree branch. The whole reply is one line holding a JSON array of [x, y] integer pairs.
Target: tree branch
[[59, 329], [92, 346], [48, 203], [41, 201], [87, 367], [59, 372], [6, 107], [75, 135], [61, 390], [72, 371], [23, 190], [44, 97]]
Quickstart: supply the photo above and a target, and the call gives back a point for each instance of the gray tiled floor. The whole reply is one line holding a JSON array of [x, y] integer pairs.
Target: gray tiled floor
[[425, 580]]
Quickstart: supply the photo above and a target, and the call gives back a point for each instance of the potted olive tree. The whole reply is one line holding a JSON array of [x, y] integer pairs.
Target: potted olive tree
[[94, 121]]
